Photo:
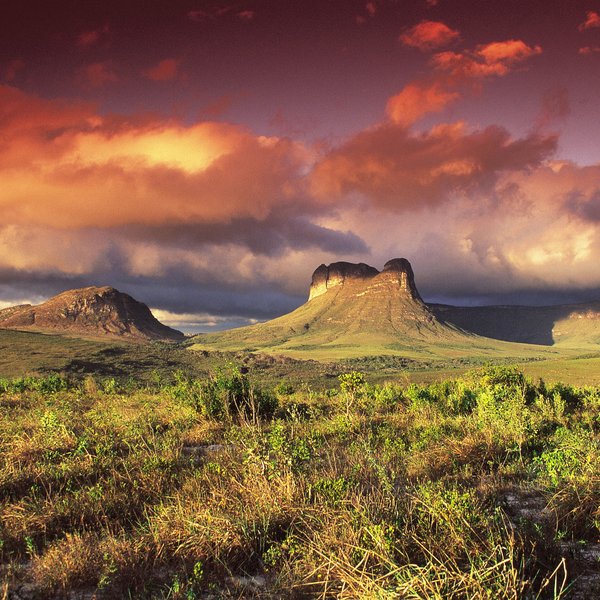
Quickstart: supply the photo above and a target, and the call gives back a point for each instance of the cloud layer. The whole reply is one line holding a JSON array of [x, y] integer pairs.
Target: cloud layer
[[214, 223]]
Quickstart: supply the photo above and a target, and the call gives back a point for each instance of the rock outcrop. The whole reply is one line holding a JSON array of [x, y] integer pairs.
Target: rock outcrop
[[91, 311], [327, 276], [396, 271]]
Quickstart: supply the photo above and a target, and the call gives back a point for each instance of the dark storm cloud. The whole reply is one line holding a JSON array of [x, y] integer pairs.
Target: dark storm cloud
[[272, 236]]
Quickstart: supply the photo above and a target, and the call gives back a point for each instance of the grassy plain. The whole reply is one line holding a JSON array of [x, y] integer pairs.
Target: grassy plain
[[160, 471], [484, 486]]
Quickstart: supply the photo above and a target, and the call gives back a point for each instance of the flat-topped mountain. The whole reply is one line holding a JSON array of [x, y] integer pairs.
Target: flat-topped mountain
[[352, 308], [90, 312], [329, 276]]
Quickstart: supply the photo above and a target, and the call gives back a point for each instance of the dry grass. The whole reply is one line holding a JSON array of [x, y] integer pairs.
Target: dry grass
[[140, 495]]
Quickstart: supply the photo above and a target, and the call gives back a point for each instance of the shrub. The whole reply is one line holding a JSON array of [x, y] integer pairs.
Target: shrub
[[351, 385]]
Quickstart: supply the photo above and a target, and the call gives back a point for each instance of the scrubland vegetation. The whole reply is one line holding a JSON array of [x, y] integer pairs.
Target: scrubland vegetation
[[485, 486]]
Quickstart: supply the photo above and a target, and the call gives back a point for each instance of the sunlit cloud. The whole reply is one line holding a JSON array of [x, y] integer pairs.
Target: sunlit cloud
[[592, 20], [201, 15], [495, 59], [417, 100], [165, 70], [391, 167], [453, 73], [429, 35]]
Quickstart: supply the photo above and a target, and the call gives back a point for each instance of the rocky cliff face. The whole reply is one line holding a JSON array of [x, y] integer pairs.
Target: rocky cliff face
[[328, 276], [92, 311], [397, 272]]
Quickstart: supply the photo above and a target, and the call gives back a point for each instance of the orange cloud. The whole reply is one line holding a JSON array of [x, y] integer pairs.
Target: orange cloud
[[429, 35], [164, 70], [392, 168], [416, 100], [65, 166], [99, 74], [453, 70], [592, 20], [495, 59]]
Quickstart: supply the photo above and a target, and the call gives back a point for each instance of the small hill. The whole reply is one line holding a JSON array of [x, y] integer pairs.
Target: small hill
[[90, 312]]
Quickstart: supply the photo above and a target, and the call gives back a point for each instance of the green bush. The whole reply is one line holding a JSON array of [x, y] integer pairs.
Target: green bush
[[228, 393]]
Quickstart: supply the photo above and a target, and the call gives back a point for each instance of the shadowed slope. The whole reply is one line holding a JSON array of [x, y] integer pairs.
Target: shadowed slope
[[565, 325], [91, 312]]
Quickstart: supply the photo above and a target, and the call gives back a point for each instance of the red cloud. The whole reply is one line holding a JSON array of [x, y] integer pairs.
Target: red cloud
[[495, 59], [86, 39], [592, 19], [65, 166], [429, 35], [399, 171], [164, 70], [99, 74], [416, 100], [587, 50], [215, 12], [454, 70]]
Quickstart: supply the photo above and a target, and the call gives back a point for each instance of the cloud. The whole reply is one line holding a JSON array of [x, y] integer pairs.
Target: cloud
[[453, 72], [215, 12], [392, 168], [89, 38], [528, 235], [418, 99], [555, 107], [165, 70], [429, 35], [588, 50], [592, 20], [217, 224], [281, 231], [489, 60], [143, 198], [246, 15], [98, 74]]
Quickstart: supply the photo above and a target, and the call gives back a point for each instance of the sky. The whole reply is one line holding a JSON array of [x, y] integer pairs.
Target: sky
[[207, 156]]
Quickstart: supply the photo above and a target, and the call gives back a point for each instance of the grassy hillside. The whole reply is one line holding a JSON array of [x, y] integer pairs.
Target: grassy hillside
[[481, 487]]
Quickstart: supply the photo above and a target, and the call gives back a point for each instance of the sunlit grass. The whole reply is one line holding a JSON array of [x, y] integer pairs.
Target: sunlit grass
[[381, 491]]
